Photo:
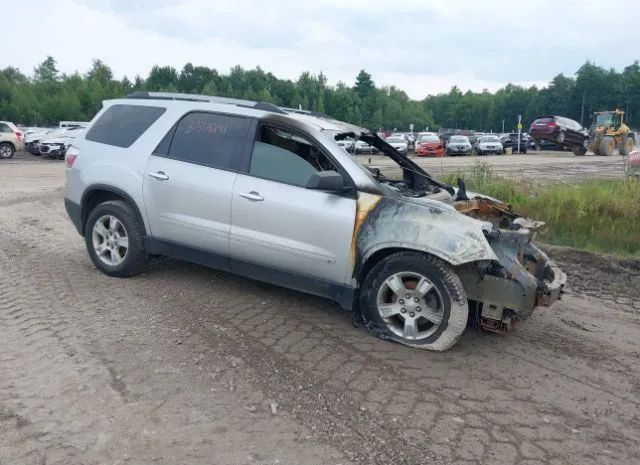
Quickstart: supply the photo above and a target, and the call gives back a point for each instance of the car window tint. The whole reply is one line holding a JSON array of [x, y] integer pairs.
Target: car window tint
[[5, 128], [282, 156], [209, 139], [121, 125]]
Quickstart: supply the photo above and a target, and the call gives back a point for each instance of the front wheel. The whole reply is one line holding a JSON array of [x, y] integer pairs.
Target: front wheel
[[607, 146], [114, 238], [414, 299]]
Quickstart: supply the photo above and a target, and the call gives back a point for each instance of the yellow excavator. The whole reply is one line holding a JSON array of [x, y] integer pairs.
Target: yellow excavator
[[608, 133]]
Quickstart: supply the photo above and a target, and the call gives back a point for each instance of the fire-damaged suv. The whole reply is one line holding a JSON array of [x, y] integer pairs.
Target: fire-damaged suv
[[267, 192]]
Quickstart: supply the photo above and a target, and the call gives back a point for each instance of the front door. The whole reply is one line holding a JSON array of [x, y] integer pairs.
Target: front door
[[280, 226]]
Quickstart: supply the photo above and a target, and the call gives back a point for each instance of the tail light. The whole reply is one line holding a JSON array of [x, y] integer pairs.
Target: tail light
[[70, 156], [19, 135], [551, 125]]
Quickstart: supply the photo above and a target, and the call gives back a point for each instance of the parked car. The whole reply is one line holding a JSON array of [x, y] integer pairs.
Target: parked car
[[265, 192], [633, 164], [459, 145], [32, 139], [347, 144], [73, 124], [429, 145], [510, 140], [56, 143], [489, 144], [399, 143], [362, 148], [11, 140], [560, 130]]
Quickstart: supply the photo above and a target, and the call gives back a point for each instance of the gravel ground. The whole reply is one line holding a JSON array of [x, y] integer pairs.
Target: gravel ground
[[188, 365]]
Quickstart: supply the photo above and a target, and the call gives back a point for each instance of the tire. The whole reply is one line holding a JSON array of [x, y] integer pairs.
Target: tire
[[561, 137], [607, 146], [626, 147], [538, 147], [134, 257], [7, 150], [578, 151], [445, 302]]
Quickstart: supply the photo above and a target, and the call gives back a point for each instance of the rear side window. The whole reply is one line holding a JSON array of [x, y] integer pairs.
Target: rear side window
[[5, 128], [122, 125], [210, 139]]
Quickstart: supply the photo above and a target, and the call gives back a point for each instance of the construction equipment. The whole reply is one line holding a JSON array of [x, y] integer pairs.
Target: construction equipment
[[608, 133]]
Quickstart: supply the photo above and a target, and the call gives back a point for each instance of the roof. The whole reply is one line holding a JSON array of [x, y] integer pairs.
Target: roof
[[317, 119]]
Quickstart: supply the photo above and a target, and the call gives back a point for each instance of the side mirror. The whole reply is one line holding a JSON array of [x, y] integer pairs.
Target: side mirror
[[326, 181]]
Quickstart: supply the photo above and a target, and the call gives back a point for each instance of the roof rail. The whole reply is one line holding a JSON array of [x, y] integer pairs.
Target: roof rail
[[317, 114], [265, 106]]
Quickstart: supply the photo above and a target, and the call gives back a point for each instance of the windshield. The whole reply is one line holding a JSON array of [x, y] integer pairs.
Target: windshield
[[604, 119], [430, 138], [460, 139], [489, 139], [396, 140]]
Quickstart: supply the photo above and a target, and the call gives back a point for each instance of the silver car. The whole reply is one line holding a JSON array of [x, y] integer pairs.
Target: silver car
[[268, 193]]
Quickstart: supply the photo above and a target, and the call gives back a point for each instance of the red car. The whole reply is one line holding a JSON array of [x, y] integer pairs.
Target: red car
[[429, 145]]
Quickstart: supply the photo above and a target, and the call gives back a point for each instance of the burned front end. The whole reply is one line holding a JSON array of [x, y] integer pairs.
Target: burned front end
[[522, 278]]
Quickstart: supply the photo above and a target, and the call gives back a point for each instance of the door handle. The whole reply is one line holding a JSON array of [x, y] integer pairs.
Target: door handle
[[253, 196], [159, 175]]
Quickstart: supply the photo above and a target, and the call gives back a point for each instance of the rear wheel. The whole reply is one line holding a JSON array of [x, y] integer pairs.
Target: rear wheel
[[6, 150], [414, 299], [607, 146], [113, 235], [627, 145]]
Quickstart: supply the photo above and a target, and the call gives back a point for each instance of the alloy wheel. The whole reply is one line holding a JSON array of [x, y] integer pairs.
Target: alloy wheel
[[110, 240]]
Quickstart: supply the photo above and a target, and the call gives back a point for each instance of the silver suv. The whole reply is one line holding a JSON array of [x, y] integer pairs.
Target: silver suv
[[267, 192]]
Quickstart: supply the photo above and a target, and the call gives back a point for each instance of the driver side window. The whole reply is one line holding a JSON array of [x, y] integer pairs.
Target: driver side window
[[283, 156]]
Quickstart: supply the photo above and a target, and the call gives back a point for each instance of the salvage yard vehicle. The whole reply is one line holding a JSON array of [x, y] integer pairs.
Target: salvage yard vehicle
[[32, 139], [510, 140], [608, 133], [267, 193], [429, 145], [399, 143], [459, 145], [362, 148], [56, 143], [11, 140], [633, 164], [489, 144], [562, 131]]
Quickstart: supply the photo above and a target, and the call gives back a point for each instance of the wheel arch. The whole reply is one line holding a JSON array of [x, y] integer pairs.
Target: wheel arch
[[8, 142], [99, 193], [374, 257]]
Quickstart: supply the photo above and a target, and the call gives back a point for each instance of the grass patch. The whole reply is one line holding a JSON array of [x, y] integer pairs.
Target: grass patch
[[596, 215]]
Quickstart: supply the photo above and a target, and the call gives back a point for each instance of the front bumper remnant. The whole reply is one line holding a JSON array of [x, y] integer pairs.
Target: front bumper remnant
[[524, 279]]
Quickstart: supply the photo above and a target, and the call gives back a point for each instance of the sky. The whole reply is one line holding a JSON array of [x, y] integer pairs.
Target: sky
[[420, 46]]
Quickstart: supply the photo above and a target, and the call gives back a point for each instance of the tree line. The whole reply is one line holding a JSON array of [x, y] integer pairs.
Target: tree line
[[48, 96]]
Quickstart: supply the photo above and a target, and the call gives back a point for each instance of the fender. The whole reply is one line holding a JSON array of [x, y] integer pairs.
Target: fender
[[423, 225]]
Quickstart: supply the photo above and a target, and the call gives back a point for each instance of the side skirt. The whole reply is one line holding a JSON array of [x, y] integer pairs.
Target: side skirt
[[343, 295]]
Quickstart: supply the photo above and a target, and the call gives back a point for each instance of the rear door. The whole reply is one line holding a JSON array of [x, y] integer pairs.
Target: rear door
[[188, 184], [280, 226]]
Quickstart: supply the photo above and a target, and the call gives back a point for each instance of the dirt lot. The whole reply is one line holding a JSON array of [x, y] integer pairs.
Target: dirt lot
[[185, 365], [540, 167]]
